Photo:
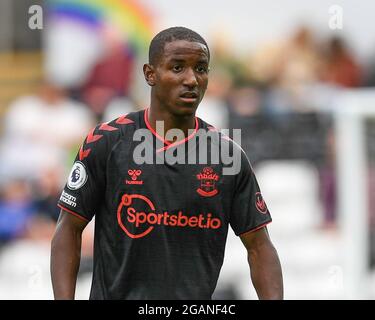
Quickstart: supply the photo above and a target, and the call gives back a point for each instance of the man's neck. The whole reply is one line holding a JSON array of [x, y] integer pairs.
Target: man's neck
[[170, 121]]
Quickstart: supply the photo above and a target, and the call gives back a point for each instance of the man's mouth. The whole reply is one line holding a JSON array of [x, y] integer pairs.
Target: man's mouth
[[189, 96]]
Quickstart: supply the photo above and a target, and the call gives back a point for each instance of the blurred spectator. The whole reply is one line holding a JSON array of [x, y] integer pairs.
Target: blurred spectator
[[299, 63], [16, 210], [328, 184], [266, 62], [245, 100], [225, 64], [230, 86], [41, 128], [111, 77], [47, 192], [340, 67], [287, 70]]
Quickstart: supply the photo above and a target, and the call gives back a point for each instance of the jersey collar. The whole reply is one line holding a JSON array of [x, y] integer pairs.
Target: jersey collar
[[168, 144]]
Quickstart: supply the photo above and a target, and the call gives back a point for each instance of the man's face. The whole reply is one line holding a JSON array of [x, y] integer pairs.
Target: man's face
[[180, 77]]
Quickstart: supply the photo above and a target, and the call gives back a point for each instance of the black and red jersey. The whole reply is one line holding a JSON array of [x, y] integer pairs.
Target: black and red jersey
[[160, 228]]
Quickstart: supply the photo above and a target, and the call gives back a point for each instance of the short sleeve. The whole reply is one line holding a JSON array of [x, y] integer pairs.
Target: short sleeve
[[85, 187], [249, 210]]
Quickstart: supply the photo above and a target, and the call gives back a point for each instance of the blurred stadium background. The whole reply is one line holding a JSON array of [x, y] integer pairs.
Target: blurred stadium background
[[301, 92]]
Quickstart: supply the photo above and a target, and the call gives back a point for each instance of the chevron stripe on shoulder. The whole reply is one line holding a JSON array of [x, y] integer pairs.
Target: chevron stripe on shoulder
[[99, 131]]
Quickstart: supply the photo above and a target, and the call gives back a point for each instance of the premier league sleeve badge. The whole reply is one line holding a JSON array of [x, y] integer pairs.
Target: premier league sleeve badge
[[77, 177]]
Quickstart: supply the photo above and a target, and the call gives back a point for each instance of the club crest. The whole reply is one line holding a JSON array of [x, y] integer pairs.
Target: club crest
[[208, 179]]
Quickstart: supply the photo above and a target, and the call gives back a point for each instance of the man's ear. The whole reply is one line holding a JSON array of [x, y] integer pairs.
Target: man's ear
[[149, 73]]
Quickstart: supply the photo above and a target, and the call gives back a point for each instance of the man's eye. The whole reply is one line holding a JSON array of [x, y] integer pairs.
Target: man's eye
[[177, 68], [201, 69]]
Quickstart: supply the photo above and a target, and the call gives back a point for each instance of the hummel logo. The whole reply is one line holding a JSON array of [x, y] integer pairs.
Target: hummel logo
[[134, 174]]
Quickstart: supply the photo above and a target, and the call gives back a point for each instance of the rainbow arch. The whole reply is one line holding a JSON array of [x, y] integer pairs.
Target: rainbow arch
[[131, 19]]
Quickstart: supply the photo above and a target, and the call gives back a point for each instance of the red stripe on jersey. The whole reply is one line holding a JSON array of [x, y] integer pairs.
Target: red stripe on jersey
[[124, 120], [170, 145], [256, 228], [106, 127], [210, 128], [72, 212], [152, 129], [166, 142], [91, 137], [83, 153]]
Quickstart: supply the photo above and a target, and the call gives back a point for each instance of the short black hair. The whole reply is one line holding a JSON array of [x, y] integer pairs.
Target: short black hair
[[169, 35]]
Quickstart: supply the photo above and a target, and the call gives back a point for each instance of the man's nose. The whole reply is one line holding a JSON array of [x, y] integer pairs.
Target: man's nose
[[190, 79]]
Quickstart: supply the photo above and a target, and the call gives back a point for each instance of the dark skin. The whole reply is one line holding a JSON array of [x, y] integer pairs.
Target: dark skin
[[264, 263], [66, 255], [178, 82]]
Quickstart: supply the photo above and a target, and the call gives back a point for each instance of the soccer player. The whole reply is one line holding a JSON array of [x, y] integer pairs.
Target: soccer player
[[161, 223]]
